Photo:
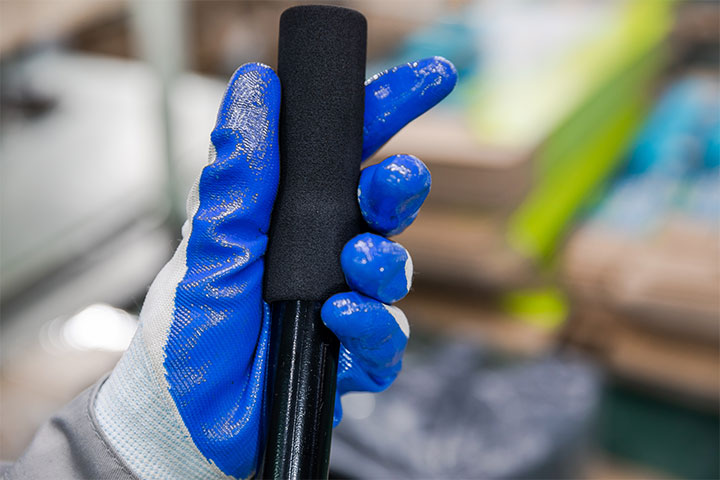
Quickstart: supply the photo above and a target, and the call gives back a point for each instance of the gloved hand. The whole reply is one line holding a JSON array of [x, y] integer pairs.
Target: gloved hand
[[186, 399]]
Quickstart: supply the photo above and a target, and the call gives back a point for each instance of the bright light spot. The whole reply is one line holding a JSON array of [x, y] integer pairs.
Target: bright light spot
[[99, 327], [358, 405]]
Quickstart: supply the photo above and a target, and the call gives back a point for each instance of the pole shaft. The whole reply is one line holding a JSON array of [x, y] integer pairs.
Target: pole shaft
[[303, 357]]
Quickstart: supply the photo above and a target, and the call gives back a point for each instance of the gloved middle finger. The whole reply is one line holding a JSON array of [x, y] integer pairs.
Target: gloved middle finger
[[391, 193]]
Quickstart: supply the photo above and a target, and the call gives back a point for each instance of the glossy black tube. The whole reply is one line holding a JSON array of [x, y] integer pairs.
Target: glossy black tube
[[303, 359]]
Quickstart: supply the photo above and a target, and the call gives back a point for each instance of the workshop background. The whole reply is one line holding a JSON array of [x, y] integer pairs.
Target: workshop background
[[566, 307]]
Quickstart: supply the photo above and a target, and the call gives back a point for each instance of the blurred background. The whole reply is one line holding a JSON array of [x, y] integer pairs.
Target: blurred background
[[566, 305]]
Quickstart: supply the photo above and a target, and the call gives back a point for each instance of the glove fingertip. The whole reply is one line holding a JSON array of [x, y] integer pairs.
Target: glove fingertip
[[252, 94], [445, 72], [391, 193], [377, 267], [338, 309], [367, 328]]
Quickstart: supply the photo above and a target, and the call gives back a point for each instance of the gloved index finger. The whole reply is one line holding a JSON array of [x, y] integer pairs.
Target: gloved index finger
[[397, 96]]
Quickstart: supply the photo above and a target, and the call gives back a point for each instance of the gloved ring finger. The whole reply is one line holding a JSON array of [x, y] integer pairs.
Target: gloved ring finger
[[377, 267], [391, 193]]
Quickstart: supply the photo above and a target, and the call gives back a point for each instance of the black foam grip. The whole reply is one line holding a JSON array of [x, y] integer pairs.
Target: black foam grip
[[321, 65]]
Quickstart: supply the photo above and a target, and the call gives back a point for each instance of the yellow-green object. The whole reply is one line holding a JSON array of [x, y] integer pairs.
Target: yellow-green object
[[582, 153], [546, 308]]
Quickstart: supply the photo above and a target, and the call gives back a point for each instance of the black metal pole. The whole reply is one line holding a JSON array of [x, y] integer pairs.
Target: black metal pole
[[321, 66], [305, 366]]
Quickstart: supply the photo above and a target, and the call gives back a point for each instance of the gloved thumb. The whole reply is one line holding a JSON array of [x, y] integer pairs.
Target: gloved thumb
[[237, 189]]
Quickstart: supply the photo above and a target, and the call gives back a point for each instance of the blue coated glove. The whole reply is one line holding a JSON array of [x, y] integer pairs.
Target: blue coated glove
[[186, 399]]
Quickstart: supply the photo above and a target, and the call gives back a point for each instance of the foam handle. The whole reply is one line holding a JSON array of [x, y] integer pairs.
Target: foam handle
[[321, 65]]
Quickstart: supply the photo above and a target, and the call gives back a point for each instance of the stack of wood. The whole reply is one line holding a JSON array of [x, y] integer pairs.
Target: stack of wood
[[644, 270]]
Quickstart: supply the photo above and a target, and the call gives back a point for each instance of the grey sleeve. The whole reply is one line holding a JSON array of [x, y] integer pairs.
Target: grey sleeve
[[71, 446]]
